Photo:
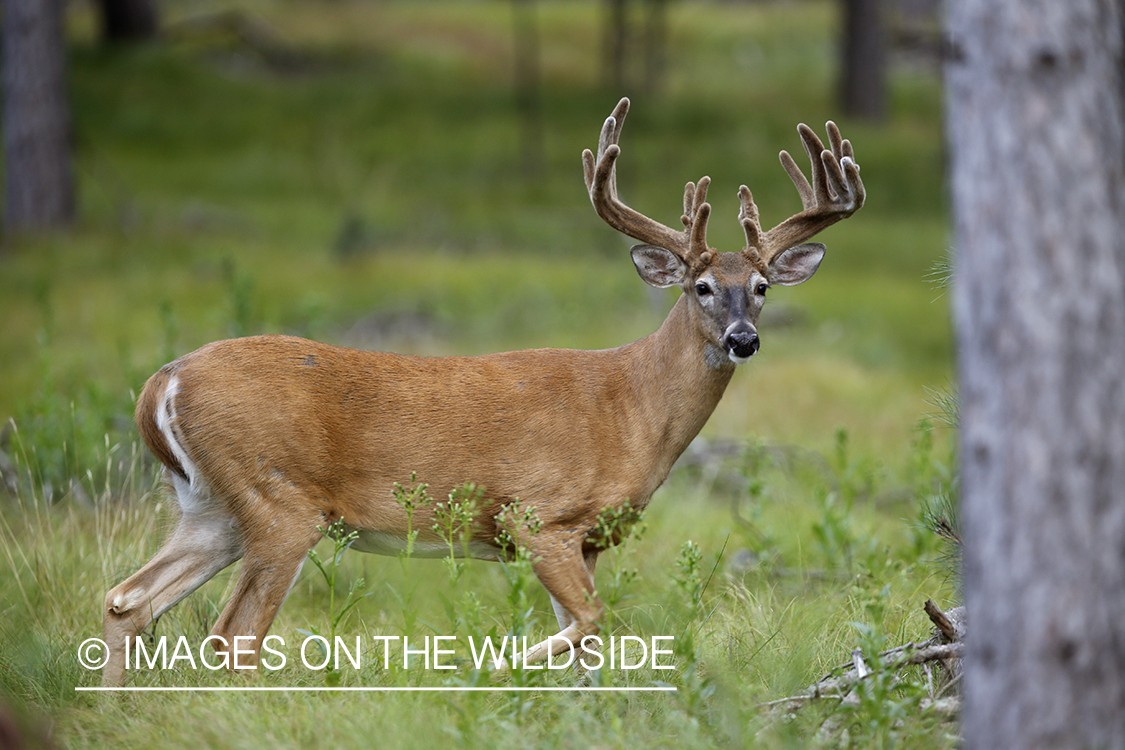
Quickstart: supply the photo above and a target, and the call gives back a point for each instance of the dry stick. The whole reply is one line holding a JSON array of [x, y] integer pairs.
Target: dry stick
[[938, 618], [834, 687], [839, 687]]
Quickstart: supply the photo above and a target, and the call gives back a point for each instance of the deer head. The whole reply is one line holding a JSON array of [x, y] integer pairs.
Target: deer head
[[726, 290]]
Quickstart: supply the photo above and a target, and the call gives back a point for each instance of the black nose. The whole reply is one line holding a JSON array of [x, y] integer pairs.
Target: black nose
[[742, 343]]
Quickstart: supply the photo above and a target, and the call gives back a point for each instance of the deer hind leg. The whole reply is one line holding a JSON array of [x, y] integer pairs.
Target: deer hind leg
[[568, 577], [270, 567], [200, 547]]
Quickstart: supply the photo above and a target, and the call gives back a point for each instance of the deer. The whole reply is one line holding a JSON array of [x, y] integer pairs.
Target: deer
[[267, 440]]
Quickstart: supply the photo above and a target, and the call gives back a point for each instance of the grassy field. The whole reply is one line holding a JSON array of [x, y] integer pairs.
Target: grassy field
[[356, 172]]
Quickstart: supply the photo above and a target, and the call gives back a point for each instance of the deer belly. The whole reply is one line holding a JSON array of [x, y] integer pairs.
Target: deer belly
[[384, 543]]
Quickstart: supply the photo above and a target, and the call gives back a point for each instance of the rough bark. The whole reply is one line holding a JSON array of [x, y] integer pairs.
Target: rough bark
[[1036, 129], [38, 181]]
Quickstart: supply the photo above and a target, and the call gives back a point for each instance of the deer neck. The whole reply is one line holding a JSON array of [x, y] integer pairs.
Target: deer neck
[[679, 377]]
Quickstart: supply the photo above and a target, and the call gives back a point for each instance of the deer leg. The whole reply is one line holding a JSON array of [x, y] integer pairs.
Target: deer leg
[[569, 579], [563, 616], [269, 569], [199, 548], [565, 619]]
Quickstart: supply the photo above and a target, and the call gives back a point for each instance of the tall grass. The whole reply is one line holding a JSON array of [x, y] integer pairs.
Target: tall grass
[[755, 614]]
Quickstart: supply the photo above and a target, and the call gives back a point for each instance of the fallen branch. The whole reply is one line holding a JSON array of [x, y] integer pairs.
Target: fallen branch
[[945, 647], [838, 687], [938, 618]]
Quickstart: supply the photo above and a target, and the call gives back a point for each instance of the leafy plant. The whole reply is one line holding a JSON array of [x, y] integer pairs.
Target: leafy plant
[[342, 539], [410, 498], [883, 699], [614, 528], [453, 522], [695, 687], [516, 525]]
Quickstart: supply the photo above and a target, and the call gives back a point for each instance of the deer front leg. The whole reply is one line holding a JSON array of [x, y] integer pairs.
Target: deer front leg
[[568, 577], [565, 619]]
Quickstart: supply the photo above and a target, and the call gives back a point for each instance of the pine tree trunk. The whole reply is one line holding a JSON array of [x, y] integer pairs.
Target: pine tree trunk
[[615, 45], [529, 86], [656, 46], [128, 20], [1036, 128], [863, 70], [38, 182]]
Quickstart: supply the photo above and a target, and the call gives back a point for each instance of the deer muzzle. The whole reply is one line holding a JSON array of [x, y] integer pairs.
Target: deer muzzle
[[741, 341]]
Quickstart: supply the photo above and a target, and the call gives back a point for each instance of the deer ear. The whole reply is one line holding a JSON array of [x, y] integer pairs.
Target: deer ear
[[658, 266], [796, 264]]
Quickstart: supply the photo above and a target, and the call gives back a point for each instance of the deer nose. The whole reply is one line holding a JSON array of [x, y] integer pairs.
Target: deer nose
[[741, 344]]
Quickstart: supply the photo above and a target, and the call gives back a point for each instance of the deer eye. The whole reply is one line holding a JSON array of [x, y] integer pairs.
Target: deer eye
[[702, 289], [761, 290]]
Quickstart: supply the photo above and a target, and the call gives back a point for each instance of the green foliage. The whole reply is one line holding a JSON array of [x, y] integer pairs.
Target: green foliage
[[740, 639], [411, 499], [517, 527], [696, 688], [938, 491], [453, 522], [342, 539], [615, 528]]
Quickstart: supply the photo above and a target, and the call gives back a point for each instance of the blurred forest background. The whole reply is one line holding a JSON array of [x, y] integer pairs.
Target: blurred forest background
[[406, 176]]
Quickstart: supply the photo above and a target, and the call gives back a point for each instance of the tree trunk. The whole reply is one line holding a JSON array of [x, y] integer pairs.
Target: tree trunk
[[656, 46], [128, 20], [615, 45], [1036, 128], [38, 182], [528, 86], [863, 72]]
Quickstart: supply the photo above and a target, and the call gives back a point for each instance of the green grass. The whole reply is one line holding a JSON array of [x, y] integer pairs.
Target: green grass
[[779, 585], [360, 180]]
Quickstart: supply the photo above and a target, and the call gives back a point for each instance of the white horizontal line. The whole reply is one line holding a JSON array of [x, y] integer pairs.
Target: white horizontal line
[[365, 689]]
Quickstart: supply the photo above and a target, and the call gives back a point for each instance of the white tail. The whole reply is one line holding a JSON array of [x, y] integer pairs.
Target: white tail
[[267, 440]]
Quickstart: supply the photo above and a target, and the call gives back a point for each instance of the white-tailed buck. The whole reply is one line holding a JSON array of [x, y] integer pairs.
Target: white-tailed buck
[[267, 440]]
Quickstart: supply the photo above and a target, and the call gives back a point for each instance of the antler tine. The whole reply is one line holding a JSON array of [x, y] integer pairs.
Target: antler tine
[[748, 218], [689, 204], [696, 213], [610, 134], [835, 192], [600, 174]]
